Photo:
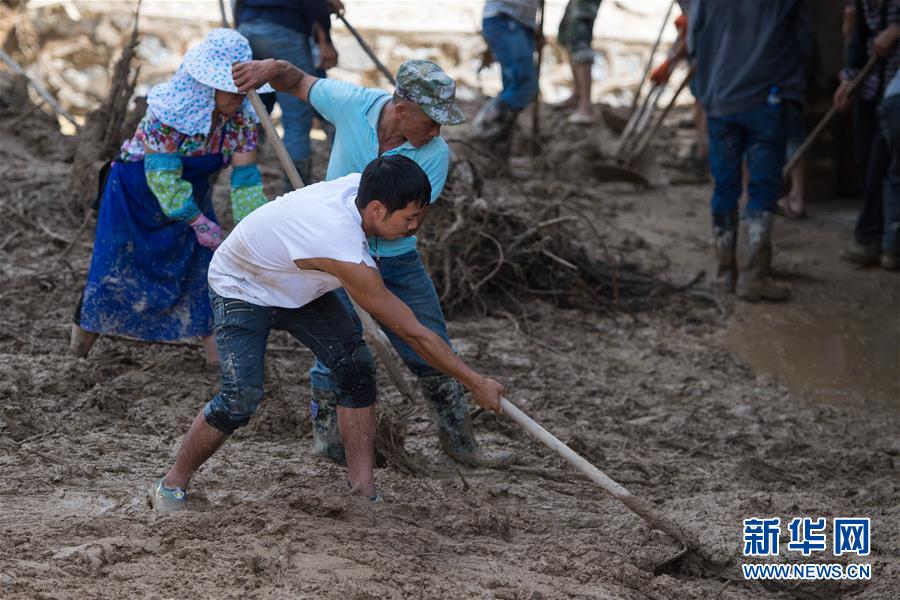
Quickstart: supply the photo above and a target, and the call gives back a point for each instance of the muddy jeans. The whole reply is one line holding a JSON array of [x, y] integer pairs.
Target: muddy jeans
[[758, 134], [242, 330]]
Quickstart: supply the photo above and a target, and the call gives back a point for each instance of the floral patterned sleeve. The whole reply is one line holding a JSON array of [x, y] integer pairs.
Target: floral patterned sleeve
[[151, 134], [246, 137]]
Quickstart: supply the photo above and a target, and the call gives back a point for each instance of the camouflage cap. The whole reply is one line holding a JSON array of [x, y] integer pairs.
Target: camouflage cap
[[424, 83]]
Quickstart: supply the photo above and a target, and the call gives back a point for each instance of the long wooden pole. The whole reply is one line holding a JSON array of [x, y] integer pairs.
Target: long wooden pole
[[379, 340], [808, 142], [640, 507]]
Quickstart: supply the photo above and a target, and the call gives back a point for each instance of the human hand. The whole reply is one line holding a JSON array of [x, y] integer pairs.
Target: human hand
[[884, 41], [328, 56], [660, 74], [487, 395], [539, 40], [336, 7], [841, 98], [254, 73], [209, 235]]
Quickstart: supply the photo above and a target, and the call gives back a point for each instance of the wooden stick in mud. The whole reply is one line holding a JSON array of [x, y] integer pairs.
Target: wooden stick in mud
[[640, 507], [40, 89], [367, 49], [851, 88], [373, 332]]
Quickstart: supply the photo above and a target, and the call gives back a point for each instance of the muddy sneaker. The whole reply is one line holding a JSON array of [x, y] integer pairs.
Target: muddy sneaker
[[890, 261], [167, 500]]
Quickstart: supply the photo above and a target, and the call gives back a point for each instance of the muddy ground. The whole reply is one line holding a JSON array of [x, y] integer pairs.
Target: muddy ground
[[666, 401]]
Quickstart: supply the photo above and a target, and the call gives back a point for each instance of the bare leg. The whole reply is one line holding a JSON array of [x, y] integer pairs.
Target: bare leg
[[357, 427], [572, 100], [201, 442], [582, 74], [209, 348]]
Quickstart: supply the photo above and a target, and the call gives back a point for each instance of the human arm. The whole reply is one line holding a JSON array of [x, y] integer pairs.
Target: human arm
[[280, 74], [327, 53], [365, 286]]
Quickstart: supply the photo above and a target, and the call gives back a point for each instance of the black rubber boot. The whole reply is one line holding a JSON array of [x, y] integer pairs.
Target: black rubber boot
[[446, 399], [326, 435]]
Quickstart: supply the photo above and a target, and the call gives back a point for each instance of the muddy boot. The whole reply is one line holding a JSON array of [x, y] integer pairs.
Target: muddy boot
[[754, 283], [446, 399], [81, 341], [724, 240], [493, 127], [862, 255], [326, 435]]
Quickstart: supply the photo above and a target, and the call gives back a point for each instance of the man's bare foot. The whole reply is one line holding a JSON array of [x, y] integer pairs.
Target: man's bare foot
[[791, 207], [582, 117]]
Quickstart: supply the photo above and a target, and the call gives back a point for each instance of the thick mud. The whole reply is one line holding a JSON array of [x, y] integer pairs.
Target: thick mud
[[657, 400]]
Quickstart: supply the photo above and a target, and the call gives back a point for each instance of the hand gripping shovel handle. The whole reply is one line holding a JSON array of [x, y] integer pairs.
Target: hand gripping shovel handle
[[641, 508], [851, 88]]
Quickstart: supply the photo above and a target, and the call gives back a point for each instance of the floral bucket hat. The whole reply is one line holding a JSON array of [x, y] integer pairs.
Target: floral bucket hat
[[210, 61]]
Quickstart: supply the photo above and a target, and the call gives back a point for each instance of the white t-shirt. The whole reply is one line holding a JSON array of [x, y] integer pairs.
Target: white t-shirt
[[255, 263]]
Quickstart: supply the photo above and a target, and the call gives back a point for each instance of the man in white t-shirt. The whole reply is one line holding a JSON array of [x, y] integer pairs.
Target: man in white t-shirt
[[278, 270]]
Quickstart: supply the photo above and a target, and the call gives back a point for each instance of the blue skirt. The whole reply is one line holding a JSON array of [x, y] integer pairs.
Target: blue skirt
[[147, 277]]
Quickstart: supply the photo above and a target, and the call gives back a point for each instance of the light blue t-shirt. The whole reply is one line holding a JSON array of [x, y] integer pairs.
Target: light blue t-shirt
[[354, 112]]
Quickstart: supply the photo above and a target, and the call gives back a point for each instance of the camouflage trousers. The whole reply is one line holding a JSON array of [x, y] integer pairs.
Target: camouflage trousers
[[576, 30]]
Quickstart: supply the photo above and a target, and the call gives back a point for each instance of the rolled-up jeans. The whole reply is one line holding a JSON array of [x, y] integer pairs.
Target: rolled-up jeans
[[271, 40], [325, 326], [405, 276]]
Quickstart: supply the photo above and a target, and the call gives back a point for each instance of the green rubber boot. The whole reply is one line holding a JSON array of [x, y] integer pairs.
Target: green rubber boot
[[446, 399]]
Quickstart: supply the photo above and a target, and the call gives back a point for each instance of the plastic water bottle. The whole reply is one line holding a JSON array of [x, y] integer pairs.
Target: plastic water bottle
[[774, 98]]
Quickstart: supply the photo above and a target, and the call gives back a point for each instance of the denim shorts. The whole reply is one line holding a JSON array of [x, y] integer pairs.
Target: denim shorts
[[325, 326]]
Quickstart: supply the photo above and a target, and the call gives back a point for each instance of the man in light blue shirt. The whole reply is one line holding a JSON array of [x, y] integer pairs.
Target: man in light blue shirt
[[370, 123]]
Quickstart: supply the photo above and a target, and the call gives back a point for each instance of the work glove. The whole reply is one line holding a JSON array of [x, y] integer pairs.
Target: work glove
[[660, 74], [209, 235]]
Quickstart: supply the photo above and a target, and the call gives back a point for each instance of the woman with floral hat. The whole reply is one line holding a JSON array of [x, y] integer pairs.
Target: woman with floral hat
[[156, 231]]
